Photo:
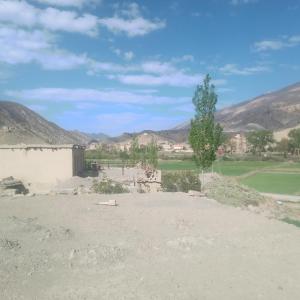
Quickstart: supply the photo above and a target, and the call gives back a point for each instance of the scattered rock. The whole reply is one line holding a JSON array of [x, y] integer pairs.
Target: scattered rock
[[108, 203], [10, 187], [9, 245], [196, 194]]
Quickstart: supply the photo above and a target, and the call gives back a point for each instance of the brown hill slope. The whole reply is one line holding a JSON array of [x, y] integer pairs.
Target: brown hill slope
[[19, 124], [273, 111]]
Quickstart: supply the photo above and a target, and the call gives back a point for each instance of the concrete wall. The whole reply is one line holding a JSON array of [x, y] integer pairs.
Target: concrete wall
[[40, 165]]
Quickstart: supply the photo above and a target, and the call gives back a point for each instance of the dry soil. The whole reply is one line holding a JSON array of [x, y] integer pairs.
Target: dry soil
[[152, 246]]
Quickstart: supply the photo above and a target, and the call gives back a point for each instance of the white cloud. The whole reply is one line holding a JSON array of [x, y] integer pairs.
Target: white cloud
[[18, 12], [178, 79], [54, 19], [233, 69], [21, 13], [285, 42], [158, 67], [184, 58], [127, 55], [108, 67], [129, 20], [22, 46], [238, 2], [68, 3], [268, 45], [92, 95]]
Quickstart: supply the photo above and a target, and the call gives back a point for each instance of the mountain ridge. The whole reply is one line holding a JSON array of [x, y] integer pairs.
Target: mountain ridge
[[19, 124], [276, 111]]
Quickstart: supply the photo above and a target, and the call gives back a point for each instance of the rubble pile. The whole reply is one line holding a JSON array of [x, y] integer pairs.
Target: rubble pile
[[149, 180], [10, 187], [230, 192]]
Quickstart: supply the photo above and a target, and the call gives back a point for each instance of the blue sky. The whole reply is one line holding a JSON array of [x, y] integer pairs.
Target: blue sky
[[121, 66]]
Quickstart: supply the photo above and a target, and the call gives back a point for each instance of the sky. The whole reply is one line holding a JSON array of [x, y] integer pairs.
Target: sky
[[121, 66]]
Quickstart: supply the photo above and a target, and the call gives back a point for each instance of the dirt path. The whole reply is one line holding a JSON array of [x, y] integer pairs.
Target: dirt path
[[152, 246]]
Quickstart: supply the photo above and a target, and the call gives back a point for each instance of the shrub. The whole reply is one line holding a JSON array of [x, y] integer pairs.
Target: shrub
[[292, 221], [180, 181], [107, 186]]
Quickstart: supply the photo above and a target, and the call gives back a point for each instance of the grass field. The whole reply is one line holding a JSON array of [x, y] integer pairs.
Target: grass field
[[277, 183], [264, 176], [227, 168]]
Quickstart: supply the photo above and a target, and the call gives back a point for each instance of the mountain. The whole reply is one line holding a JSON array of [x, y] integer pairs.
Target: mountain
[[278, 111], [101, 137], [274, 111], [19, 124], [172, 136]]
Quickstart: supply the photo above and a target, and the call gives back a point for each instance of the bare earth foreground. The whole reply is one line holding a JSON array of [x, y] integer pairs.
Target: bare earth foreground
[[152, 246]]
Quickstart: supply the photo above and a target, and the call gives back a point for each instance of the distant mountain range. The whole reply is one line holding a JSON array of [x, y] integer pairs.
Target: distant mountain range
[[276, 111], [273, 111]]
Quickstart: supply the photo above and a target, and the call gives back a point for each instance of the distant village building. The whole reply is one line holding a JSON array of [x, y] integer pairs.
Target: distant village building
[[123, 146], [166, 146], [237, 144], [94, 145], [41, 163]]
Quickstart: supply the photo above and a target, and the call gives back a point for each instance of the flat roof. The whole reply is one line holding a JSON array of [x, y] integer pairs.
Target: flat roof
[[42, 146]]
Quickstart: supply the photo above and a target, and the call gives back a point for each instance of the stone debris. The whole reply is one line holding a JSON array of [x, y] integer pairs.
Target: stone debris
[[9, 244], [108, 203], [196, 194], [148, 181], [10, 187], [230, 192]]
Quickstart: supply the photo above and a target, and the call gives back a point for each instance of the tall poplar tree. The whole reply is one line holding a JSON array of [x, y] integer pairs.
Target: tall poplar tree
[[205, 134]]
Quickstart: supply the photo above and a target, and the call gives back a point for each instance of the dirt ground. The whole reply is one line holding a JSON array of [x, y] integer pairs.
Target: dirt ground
[[152, 246]]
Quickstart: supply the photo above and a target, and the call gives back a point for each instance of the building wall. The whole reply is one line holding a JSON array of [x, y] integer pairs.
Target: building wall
[[38, 165]]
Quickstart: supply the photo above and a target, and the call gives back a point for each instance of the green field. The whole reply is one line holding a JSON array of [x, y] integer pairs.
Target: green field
[[227, 168], [278, 183], [264, 176]]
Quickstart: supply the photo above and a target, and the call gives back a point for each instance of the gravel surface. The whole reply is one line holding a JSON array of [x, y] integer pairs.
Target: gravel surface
[[151, 246]]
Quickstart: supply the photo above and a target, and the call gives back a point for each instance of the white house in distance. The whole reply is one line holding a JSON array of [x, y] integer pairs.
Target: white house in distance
[[41, 163]]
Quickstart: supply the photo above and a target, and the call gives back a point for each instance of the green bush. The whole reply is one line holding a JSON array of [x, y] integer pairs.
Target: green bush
[[292, 221], [107, 186], [180, 181]]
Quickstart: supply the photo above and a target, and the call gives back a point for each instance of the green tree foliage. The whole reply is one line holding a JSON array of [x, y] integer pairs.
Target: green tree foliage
[[146, 155], [205, 135], [294, 138], [259, 140], [124, 156], [107, 186], [180, 181], [152, 155], [134, 150], [283, 146]]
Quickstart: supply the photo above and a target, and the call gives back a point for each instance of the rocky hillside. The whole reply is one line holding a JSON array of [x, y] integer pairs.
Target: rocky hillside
[[274, 111], [19, 124], [172, 136]]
